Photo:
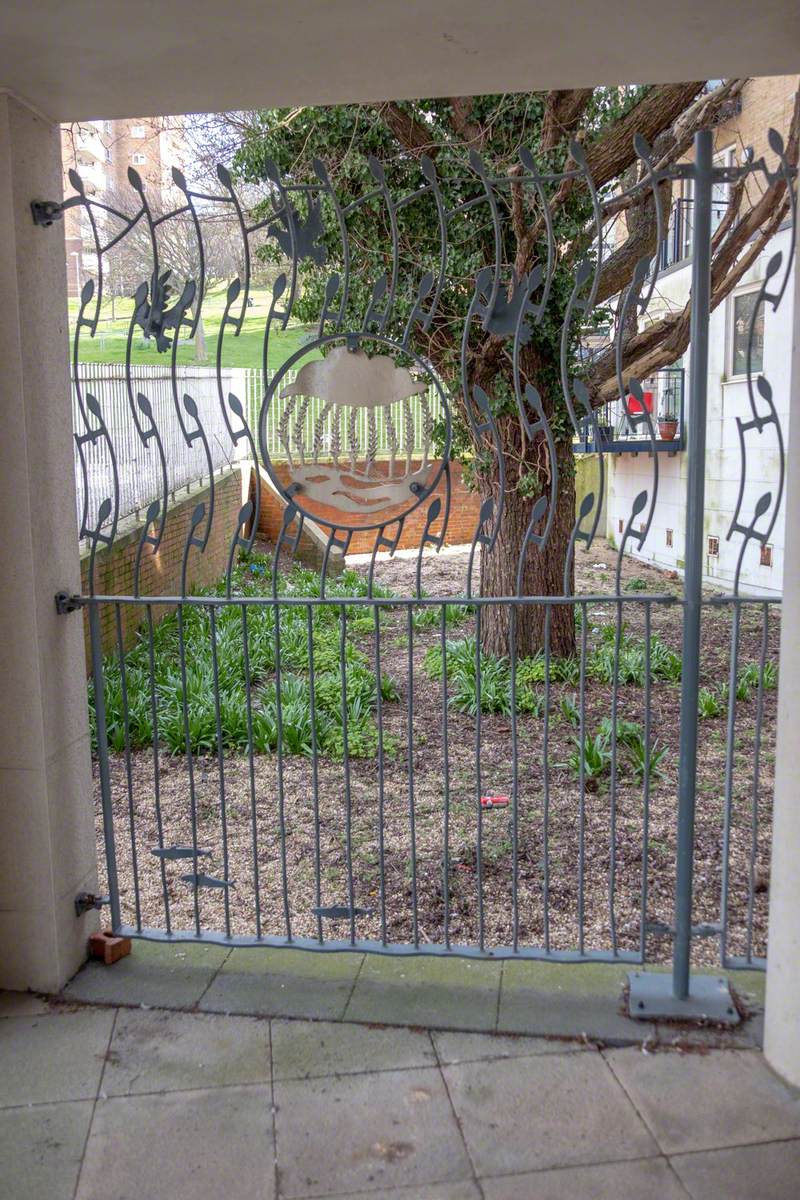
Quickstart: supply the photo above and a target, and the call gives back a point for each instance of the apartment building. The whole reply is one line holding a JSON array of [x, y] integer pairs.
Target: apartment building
[[763, 103], [101, 152]]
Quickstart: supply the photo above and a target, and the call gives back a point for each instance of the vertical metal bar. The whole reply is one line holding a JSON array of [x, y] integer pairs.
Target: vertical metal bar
[[123, 679], [546, 780], [223, 811], [156, 771], [410, 768], [751, 879], [248, 700], [693, 576], [478, 774], [512, 645], [189, 762], [381, 766], [736, 619], [646, 789], [582, 785], [102, 759], [348, 799], [446, 782], [287, 920], [612, 836], [312, 696]]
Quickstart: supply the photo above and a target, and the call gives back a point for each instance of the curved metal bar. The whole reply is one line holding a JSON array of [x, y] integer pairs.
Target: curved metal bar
[[382, 542], [428, 169], [287, 214], [180, 182], [378, 173], [88, 207], [146, 538], [239, 543], [476, 163], [527, 160], [197, 518], [579, 155]]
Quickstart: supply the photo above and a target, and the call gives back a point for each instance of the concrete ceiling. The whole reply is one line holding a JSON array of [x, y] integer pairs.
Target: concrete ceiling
[[81, 59]]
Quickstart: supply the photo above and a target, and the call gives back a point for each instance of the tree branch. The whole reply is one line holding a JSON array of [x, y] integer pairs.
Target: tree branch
[[411, 133]]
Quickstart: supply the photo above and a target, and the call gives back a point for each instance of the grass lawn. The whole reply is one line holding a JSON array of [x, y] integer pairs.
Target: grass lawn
[[108, 345]]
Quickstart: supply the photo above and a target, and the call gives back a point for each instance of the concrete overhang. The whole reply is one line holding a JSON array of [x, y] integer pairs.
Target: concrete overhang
[[81, 59]]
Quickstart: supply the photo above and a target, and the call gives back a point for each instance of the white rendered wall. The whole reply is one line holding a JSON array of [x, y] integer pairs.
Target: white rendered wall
[[727, 399]]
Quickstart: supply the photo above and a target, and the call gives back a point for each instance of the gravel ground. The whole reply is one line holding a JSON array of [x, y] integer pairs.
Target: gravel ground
[[579, 906]]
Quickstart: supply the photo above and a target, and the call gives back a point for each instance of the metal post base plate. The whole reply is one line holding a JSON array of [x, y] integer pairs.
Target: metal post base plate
[[650, 998]]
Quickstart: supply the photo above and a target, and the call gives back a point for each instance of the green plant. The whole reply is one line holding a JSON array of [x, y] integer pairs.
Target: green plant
[[593, 754], [569, 710], [629, 733], [635, 585], [641, 763], [709, 704]]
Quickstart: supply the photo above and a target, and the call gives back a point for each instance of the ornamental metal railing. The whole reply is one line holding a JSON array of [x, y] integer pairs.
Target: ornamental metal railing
[[391, 763]]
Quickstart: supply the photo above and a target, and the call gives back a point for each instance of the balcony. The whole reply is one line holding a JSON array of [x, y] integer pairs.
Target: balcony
[[623, 428], [677, 245]]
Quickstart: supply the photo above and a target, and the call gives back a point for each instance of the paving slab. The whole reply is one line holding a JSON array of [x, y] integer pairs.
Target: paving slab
[[704, 1101], [602, 1181], [160, 1051], [198, 1145], [548, 1111], [49, 1058], [158, 974], [22, 1004], [41, 1150], [567, 1000], [767, 1172], [465, 1190], [371, 1133], [448, 993], [283, 983], [454, 1047], [309, 1049]]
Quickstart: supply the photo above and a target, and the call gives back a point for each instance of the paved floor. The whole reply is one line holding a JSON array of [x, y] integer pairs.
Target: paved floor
[[124, 1097]]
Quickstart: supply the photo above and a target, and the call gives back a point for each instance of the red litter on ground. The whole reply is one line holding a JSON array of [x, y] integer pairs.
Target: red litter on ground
[[494, 801]]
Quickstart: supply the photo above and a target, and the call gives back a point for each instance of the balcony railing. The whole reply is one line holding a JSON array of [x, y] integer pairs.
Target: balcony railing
[[679, 240], [622, 427]]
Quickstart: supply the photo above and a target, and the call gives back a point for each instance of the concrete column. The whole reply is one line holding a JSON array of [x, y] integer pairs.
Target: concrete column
[[782, 1017], [47, 849]]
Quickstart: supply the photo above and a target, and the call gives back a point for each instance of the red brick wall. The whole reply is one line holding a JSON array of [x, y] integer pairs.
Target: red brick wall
[[464, 508], [160, 573]]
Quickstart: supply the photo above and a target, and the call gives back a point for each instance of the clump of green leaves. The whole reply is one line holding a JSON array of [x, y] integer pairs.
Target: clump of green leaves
[[272, 703]]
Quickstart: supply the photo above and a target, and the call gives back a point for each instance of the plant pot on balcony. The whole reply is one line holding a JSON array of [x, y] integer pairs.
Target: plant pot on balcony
[[667, 428]]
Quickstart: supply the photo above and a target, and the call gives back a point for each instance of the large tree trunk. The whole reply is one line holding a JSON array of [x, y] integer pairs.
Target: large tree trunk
[[543, 572]]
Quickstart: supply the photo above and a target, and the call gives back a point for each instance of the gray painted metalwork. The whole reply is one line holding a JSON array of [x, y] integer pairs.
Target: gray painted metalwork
[[359, 464]]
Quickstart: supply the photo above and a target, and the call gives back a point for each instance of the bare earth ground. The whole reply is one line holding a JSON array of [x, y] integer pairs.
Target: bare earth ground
[[579, 905]]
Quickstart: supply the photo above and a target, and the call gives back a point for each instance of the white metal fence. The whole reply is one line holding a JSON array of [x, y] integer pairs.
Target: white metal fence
[[139, 466]]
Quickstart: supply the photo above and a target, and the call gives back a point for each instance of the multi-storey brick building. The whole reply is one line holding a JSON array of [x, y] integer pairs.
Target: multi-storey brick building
[[101, 152]]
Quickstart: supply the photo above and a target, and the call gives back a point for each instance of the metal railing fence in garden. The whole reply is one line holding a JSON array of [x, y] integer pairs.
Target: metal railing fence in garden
[[140, 478], [380, 762]]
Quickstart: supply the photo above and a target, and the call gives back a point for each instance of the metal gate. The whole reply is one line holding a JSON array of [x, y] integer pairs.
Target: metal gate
[[338, 760]]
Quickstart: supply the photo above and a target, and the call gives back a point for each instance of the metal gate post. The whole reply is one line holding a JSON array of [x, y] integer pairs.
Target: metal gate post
[[700, 996], [102, 759]]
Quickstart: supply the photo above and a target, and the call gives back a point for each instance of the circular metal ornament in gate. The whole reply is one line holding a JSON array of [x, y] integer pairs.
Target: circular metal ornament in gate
[[347, 429]]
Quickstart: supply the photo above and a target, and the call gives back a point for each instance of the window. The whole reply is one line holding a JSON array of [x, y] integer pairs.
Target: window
[[108, 155], [137, 131], [766, 556], [669, 537], [746, 312], [720, 192], [713, 547], [139, 160]]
